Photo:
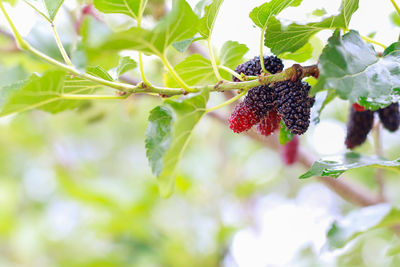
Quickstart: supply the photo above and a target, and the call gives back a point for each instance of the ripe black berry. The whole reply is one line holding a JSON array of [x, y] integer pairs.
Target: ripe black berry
[[294, 105], [261, 99], [390, 117], [358, 127], [253, 67]]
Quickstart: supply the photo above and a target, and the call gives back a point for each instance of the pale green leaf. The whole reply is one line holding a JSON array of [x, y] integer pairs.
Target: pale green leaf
[[194, 70], [208, 20], [179, 24], [361, 221], [125, 64], [52, 7], [44, 93], [127, 7], [285, 136], [232, 54], [311, 50], [336, 166], [99, 72]]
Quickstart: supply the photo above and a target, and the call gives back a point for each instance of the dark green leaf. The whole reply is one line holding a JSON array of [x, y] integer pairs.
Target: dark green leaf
[[232, 54], [352, 68], [125, 64], [127, 7], [44, 93], [158, 137], [52, 7], [207, 21], [285, 135], [168, 134], [194, 70], [288, 39], [180, 24], [361, 221], [262, 14], [336, 166]]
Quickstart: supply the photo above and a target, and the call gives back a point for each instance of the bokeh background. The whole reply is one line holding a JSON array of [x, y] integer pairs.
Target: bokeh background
[[76, 189]]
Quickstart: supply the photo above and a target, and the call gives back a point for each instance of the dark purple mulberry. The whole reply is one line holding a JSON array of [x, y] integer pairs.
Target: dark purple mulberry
[[294, 105], [261, 99], [390, 117], [359, 125], [253, 67]]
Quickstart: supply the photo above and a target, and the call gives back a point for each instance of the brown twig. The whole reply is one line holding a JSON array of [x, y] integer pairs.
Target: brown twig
[[342, 187]]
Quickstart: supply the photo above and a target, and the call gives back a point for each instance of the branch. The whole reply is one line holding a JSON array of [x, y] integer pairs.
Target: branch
[[342, 187]]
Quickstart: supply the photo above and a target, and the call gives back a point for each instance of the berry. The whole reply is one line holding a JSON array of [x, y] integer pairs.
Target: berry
[[390, 117], [269, 123], [358, 127], [294, 105], [289, 152], [261, 99], [358, 107], [242, 118], [253, 67]]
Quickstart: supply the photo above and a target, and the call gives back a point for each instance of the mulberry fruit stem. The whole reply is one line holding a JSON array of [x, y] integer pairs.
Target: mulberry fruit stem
[[174, 74], [230, 101], [234, 73], [213, 61], [261, 50], [395, 6]]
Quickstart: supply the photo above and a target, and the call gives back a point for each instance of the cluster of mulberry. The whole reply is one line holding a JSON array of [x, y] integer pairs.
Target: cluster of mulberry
[[361, 122], [267, 105]]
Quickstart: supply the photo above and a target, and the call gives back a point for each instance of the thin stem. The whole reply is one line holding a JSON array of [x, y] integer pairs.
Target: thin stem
[[139, 24], [234, 73], [92, 97], [231, 100], [379, 152], [369, 40], [261, 50], [213, 61], [18, 38], [174, 74], [395, 6], [60, 46]]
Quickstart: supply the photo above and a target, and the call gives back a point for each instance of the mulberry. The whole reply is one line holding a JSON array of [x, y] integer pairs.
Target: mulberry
[[390, 117], [358, 127], [242, 118], [358, 107], [253, 67], [269, 123], [294, 105], [261, 99], [289, 152]]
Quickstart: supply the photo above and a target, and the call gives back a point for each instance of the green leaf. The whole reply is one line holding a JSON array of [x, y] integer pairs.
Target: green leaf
[[158, 137], [194, 70], [351, 67], [207, 21], [168, 134], [44, 93], [262, 14], [395, 18], [99, 72], [336, 166], [285, 135], [127, 7], [288, 39], [320, 104], [52, 7], [183, 45], [311, 50], [319, 12], [361, 221], [125, 64], [12, 75], [232, 54], [180, 24]]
